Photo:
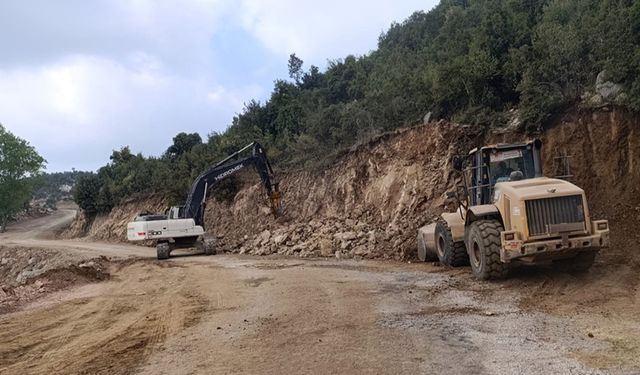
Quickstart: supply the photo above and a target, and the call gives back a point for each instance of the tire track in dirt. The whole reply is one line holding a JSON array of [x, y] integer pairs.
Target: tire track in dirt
[[111, 333]]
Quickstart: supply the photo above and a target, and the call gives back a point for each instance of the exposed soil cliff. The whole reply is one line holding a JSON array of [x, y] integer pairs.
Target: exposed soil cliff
[[112, 227], [371, 200]]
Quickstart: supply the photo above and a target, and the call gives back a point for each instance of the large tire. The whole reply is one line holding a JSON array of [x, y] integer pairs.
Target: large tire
[[484, 250], [581, 263], [424, 254], [163, 249], [450, 253]]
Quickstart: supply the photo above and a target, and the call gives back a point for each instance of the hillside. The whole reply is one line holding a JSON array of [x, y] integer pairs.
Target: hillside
[[58, 186], [370, 202], [486, 63]]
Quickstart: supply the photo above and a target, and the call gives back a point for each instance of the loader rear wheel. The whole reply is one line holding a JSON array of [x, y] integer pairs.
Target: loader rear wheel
[[163, 249], [424, 254], [484, 250], [450, 253]]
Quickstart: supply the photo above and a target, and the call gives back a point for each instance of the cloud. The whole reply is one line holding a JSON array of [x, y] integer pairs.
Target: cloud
[[80, 78], [177, 32], [101, 104], [317, 31]]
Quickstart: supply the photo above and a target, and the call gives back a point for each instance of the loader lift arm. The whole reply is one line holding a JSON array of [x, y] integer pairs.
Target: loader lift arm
[[196, 202]]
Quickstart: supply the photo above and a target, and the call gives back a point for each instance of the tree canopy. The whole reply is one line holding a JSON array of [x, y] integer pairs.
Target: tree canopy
[[20, 167]]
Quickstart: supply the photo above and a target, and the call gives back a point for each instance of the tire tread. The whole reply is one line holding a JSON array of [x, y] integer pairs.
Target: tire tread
[[455, 252], [494, 268]]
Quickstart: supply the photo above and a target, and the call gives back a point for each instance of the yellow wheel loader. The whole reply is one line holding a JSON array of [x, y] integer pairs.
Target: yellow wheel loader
[[508, 212]]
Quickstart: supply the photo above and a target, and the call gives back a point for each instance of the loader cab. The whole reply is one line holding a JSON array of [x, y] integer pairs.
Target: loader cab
[[493, 164]]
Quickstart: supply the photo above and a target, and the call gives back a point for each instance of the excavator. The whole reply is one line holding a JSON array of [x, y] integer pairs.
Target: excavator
[[183, 226]]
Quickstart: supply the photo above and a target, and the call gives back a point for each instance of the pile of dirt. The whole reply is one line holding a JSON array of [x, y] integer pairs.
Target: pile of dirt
[[28, 273]]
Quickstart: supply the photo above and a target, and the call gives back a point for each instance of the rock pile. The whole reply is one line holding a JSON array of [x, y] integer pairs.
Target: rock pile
[[329, 237]]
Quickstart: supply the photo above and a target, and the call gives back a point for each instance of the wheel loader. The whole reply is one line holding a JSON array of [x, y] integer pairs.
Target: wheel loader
[[183, 226], [509, 213]]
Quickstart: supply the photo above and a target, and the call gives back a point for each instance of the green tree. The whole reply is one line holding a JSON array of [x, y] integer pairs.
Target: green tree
[[86, 193], [468, 61], [183, 143], [20, 167], [295, 68]]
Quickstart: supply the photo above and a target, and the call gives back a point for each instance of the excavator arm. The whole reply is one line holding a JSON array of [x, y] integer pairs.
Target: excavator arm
[[195, 205]]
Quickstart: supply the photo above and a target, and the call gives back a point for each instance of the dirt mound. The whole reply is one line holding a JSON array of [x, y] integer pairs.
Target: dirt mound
[[27, 274]]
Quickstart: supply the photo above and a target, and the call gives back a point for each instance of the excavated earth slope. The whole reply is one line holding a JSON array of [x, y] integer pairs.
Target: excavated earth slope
[[370, 202]]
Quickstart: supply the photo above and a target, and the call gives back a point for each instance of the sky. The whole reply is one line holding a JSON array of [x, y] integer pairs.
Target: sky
[[80, 78]]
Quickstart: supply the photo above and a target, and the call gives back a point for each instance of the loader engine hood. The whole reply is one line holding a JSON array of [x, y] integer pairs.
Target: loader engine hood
[[536, 188], [542, 207]]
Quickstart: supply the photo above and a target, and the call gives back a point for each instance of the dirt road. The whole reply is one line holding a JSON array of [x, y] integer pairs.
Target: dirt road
[[41, 233], [251, 315]]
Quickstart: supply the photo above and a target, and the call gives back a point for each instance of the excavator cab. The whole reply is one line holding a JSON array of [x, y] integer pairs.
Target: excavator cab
[[174, 212]]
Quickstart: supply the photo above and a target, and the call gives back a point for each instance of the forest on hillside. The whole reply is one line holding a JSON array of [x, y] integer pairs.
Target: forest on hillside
[[57, 186], [481, 62]]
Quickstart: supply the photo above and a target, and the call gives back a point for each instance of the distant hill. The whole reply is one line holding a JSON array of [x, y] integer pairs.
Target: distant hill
[[57, 186]]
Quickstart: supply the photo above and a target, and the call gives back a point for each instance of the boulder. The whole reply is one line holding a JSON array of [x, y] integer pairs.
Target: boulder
[[326, 247], [346, 236], [264, 237], [280, 239], [360, 250]]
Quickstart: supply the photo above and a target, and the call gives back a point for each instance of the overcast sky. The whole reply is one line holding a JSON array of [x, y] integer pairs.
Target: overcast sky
[[80, 78]]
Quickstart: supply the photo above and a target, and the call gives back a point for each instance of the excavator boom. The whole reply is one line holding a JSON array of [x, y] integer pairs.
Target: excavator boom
[[194, 207]]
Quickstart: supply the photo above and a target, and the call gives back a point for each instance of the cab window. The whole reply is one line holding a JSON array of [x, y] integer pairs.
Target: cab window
[[504, 162]]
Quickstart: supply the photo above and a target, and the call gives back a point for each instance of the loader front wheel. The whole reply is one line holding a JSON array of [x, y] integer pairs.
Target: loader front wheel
[[163, 249], [450, 253], [484, 250]]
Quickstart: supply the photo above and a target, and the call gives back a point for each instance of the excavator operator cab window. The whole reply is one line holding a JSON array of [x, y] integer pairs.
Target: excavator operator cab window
[[175, 212]]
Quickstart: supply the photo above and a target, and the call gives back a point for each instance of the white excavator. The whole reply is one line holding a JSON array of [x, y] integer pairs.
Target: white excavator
[[183, 226]]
